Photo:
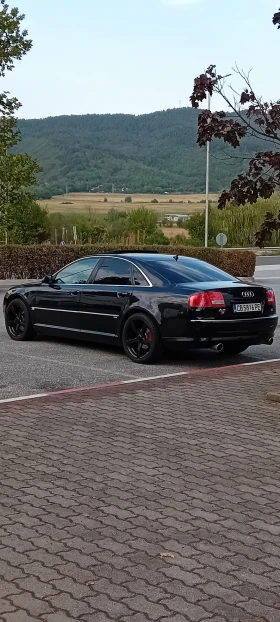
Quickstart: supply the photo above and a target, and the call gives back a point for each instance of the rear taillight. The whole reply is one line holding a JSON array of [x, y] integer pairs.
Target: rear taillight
[[270, 297], [206, 300]]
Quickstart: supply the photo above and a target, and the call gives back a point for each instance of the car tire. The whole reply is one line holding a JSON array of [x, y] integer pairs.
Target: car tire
[[232, 349], [141, 339], [18, 321]]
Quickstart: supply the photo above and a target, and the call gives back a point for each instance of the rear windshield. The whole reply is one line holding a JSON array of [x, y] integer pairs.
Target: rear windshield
[[187, 270]]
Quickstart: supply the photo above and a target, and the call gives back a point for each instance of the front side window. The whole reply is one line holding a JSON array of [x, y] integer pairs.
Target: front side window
[[114, 272], [77, 273]]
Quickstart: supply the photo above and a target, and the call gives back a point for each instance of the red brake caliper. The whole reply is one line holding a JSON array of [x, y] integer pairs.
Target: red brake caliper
[[149, 336]]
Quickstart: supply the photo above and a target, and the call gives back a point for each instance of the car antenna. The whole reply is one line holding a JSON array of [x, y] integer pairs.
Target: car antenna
[[176, 257]]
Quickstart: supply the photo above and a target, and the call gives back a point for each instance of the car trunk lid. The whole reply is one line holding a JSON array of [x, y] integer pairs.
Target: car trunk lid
[[242, 300]]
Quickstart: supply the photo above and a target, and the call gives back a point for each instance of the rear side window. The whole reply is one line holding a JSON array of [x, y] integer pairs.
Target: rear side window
[[187, 270], [139, 278], [114, 272]]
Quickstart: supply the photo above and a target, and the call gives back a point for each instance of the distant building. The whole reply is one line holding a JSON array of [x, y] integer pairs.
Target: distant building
[[176, 217]]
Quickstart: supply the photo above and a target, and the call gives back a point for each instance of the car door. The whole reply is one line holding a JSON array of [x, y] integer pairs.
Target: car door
[[104, 301], [57, 304]]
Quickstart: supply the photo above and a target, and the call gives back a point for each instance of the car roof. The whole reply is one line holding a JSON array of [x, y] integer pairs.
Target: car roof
[[142, 256]]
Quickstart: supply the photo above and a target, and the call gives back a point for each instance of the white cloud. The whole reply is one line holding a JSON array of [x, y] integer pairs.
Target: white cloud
[[179, 2]]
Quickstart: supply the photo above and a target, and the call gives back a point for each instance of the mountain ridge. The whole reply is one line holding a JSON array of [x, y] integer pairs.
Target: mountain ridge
[[151, 153]]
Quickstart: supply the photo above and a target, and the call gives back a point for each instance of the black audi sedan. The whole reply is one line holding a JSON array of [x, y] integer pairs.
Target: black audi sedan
[[144, 301]]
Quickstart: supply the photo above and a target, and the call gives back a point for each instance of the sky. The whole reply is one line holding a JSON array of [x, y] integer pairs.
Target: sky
[[138, 56]]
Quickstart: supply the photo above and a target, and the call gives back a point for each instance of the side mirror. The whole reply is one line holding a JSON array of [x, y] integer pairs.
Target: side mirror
[[48, 279]]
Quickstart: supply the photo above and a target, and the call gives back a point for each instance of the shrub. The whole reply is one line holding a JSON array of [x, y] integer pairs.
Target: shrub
[[170, 201], [157, 237], [33, 262], [105, 200], [154, 201], [128, 200], [238, 223]]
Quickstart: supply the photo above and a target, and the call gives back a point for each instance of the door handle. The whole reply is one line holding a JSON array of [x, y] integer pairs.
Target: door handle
[[75, 293], [122, 294]]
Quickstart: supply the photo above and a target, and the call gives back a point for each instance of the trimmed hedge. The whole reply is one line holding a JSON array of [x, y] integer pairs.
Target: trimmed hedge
[[33, 262]]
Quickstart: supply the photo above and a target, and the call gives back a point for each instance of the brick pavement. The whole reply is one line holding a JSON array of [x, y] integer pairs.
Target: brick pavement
[[157, 502]]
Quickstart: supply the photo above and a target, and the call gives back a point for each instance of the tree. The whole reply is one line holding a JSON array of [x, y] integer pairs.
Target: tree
[[116, 223], [196, 228], [90, 232], [14, 43], [252, 117], [27, 222], [17, 171], [142, 221]]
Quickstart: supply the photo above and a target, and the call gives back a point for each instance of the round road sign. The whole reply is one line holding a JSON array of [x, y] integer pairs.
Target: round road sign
[[221, 239]]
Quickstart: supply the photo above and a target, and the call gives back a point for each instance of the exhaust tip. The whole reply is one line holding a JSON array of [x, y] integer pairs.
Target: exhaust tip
[[219, 347], [270, 341]]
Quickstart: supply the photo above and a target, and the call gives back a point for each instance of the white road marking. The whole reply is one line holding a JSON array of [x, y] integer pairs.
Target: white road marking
[[82, 389], [263, 267], [59, 362], [262, 362], [25, 397], [135, 380]]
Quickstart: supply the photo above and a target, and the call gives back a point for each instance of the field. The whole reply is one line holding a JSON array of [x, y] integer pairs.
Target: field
[[85, 202], [170, 232]]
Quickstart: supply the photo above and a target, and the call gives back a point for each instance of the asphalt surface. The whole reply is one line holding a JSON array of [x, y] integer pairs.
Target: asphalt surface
[[47, 365], [265, 260]]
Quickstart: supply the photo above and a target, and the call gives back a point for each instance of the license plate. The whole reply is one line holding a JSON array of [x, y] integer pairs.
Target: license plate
[[247, 308]]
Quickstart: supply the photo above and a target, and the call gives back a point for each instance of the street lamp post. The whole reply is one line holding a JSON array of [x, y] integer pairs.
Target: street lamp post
[[207, 186]]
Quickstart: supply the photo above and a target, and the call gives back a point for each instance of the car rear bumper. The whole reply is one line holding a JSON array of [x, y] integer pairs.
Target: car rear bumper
[[207, 333]]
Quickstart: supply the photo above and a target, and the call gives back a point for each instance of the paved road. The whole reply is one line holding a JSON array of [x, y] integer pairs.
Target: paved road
[[151, 505], [50, 365], [266, 260]]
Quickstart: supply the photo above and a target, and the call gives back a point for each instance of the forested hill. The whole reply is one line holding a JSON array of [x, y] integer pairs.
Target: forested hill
[[149, 153]]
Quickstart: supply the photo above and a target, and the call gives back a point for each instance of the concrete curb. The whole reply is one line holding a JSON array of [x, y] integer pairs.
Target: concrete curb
[[273, 397]]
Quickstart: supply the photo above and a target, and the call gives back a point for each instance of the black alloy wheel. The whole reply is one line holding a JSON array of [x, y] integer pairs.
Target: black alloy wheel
[[141, 339], [18, 323]]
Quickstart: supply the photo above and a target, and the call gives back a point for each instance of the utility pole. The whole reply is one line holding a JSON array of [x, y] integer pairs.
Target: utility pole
[[207, 185]]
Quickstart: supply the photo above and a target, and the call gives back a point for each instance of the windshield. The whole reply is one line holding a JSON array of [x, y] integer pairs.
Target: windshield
[[187, 270]]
